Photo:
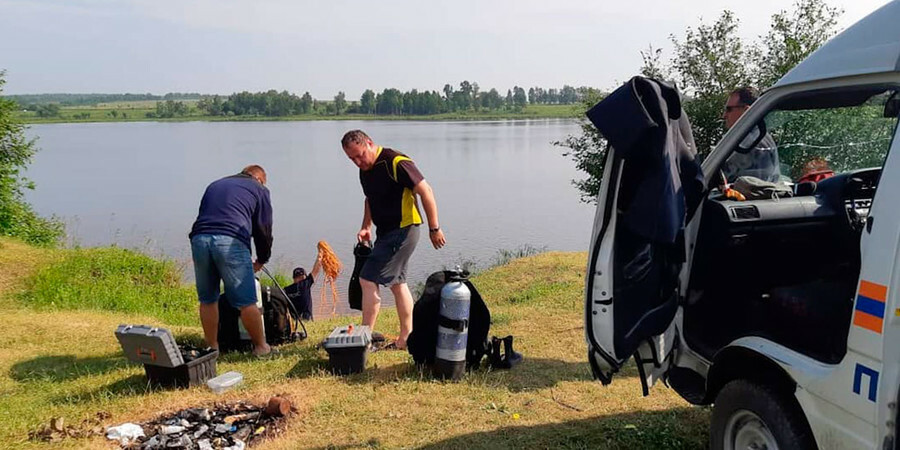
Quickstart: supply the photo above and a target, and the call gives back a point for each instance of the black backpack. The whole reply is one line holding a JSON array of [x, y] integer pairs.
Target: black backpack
[[279, 317], [426, 315], [280, 320]]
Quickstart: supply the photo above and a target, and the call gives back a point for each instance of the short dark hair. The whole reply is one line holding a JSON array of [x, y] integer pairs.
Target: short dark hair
[[253, 169], [746, 95], [357, 137]]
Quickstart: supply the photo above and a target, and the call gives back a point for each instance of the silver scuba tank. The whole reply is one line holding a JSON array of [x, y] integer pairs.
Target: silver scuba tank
[[453, 328]]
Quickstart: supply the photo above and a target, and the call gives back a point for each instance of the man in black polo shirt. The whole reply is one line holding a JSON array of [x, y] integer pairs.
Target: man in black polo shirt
[[300, 292], [390, 181]]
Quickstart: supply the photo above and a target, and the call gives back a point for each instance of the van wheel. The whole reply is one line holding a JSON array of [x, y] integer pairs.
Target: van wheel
[[750, 416]]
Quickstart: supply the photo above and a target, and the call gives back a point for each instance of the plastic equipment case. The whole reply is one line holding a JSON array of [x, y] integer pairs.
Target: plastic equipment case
[[164, 362], [348, 349], [192, 373], [149, 345]]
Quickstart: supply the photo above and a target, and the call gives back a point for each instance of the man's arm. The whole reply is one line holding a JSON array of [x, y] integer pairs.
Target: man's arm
[[365, 231], [423, 190], [262, 230]]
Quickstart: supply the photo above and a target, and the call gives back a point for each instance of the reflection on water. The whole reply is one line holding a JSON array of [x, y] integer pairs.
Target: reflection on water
[[499, 185]]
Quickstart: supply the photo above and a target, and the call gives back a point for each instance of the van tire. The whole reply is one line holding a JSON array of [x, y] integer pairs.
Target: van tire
[[747, 410]]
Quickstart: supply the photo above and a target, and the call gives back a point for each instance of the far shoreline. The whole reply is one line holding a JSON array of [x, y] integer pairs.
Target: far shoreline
[[106, 115]]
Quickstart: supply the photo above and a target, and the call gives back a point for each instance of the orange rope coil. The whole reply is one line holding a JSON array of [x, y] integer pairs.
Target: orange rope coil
[[332, 266]]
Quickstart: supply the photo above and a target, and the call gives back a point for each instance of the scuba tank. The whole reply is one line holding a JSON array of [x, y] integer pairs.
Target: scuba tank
[[453, 328]]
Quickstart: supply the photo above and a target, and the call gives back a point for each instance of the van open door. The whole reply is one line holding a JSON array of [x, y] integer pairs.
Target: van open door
[[621, 327], [637, 248]]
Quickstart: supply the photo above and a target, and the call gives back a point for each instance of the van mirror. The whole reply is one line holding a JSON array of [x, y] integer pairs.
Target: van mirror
[[892, 106], [753, 137]]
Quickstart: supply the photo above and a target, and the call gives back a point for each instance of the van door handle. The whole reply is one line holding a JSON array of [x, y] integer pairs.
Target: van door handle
[[869, 221]]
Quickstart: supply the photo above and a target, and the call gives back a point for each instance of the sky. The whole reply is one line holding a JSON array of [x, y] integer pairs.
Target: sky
[[223, 46]]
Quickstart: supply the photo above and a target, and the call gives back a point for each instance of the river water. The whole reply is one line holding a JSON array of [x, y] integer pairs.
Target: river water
[[499, 186]]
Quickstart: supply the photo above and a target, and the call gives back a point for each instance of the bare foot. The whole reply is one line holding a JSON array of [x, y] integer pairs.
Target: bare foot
[[400, 343], [263, 350]]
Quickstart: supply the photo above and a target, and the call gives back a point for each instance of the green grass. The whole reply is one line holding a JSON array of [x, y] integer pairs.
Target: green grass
[[137, 111], [63, 360], [113, 279]]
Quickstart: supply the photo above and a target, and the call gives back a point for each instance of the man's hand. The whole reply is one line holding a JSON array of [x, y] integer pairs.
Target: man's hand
[[364, 234], [437, 238], [257, 266]]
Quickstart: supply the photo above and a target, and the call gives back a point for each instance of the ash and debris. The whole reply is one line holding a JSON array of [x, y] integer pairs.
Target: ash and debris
[[231, 426]]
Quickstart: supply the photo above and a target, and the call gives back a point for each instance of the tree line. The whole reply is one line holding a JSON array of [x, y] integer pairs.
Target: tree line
[[28, 101], [468, 97]]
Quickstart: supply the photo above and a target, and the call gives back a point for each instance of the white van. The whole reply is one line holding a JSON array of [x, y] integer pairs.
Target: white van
[[783, 313]]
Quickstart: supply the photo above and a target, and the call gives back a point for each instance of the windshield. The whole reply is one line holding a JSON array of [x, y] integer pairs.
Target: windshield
[[830, 139]]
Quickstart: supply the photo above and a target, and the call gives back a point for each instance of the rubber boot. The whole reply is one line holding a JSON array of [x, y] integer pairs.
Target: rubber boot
[[494, 357], [510, 357]]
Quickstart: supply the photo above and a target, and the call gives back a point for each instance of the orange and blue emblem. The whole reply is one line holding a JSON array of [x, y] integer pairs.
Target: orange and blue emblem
[[870, 307]]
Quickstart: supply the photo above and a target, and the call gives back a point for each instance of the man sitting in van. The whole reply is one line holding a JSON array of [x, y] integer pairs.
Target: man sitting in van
[[300, 292], [761, 161]]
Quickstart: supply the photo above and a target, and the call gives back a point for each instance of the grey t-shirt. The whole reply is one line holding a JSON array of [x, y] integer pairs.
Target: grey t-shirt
[[760, 162]]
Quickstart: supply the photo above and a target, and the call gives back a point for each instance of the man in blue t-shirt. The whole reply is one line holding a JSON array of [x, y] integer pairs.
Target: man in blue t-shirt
[[233, 210]]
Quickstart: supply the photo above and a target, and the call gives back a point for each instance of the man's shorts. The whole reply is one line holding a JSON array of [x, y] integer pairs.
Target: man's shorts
[[227, 259], [387, 263]]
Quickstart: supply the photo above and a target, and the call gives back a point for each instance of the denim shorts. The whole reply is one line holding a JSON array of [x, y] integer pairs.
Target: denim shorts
[[387, 263], [227, 259]]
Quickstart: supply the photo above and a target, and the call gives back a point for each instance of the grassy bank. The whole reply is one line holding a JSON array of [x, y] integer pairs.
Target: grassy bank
[[137, 112], [61, 359]]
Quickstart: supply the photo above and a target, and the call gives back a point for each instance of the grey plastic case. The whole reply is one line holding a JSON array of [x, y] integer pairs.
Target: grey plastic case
[[348, 337], [149, 345]]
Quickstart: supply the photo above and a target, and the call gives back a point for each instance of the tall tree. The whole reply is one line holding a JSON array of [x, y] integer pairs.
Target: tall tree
[[464, 100], [651, 66], [367, 102], [306, 103], [17, 218], [340, 103], [792, 36], [710, 62], [519, 98]]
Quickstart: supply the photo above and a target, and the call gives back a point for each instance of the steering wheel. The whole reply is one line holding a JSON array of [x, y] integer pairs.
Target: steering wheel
[[855, 219], [858, 182]]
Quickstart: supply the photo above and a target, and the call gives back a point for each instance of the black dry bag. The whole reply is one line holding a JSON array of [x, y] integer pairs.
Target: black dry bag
[[354, 294]]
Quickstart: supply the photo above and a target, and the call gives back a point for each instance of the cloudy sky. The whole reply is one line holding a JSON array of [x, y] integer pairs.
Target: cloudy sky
[[221, 46]]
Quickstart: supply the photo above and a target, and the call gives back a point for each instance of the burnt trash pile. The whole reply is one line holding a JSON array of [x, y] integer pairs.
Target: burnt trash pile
[[232, 426]]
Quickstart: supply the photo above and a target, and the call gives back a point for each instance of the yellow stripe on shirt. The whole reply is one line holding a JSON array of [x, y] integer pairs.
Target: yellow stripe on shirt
[[409, 208]]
